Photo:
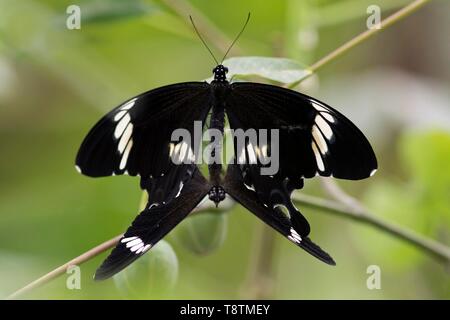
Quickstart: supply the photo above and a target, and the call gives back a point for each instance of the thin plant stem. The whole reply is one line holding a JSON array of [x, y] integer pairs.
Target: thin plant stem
[[86, 256], [395, 17], [362, 37], [432, 247], [360, 214], [260, 282]]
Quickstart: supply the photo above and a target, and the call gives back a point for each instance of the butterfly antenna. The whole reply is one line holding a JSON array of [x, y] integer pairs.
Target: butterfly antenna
[[203, 41], [237, 37]]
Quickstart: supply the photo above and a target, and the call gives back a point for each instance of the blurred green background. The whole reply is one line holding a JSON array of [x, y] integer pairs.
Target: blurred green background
[[56, 83]]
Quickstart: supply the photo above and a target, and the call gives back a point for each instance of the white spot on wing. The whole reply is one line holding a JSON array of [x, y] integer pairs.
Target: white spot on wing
[[137, 247], [153, 205], [257, 151], [319, 160], [125, 138], [146, 248], [251, 187], [320, 141], [134, 242], [123, 161], [295, 237], [129, 104], [179, 190], [181, 152], [171, 147], [264, 151], [327, 116], [261, 153], [319, 107], [324, 127], [121, 126], [140, 250], [119, 115], [124, 240], [191, 155], [251, 154], [78, 169], [241, 159], [373, 172], [183, 149], [176, 150], [143, 249]]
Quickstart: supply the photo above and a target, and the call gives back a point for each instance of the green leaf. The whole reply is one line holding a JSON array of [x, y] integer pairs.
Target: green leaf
[[151, 276], [281, 70]]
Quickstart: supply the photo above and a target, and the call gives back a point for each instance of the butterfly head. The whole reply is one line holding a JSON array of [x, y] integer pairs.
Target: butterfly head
[[220, 73], [216, 194]]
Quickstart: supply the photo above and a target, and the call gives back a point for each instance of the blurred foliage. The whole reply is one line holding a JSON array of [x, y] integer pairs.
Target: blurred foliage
[[55, 83], [203, 233], [420, 201], [150, 277]]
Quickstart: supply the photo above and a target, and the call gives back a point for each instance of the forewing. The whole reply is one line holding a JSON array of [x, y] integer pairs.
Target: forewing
[[313, 137], [135, 137]]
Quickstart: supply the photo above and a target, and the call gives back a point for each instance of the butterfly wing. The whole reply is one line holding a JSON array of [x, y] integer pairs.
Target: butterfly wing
[[290, 224], [171, 199], [134, 138], [313, 137]]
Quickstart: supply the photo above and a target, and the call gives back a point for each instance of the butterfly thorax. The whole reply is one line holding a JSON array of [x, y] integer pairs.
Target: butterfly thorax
[[220, 73]]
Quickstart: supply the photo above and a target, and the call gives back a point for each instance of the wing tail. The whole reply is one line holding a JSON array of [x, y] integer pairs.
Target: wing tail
[[316, 251], [295, 228]]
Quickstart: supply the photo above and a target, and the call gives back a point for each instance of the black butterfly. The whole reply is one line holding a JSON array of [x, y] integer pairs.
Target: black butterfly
[[135, 139]]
